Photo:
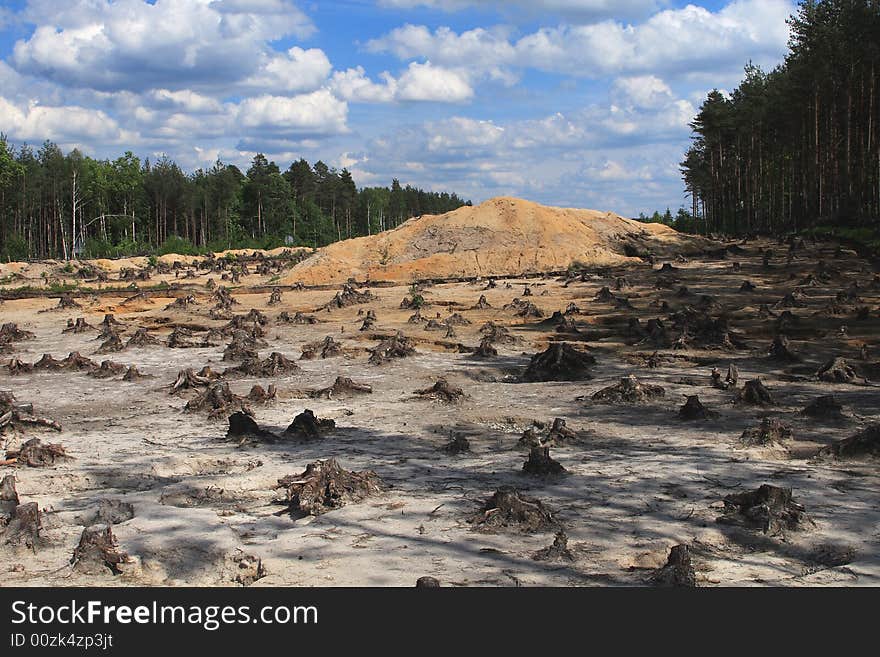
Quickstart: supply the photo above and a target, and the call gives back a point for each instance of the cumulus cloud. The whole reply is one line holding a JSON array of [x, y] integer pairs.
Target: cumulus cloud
[[308, 115], [576, 10], [671, 41], [418, 83], [65, 124], [172, 44]]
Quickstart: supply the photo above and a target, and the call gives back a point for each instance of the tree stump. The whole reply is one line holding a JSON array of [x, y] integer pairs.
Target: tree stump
[[559, 362], [325, 485], [541, 463], [307, 426], [510, 509], [97, 552]]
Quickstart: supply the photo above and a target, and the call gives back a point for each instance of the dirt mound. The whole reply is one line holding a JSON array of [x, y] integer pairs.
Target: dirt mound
[[503, 236]]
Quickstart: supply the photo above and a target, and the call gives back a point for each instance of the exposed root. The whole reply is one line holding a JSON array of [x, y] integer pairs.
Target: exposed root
[[770, 432], [326, 348], [559, 362], [97, 552], [348, 297], [341, 388], [442, 391], [863, 443], [508, 509], [836, 370], [397, 346], [768, 508], [325, 485], [629, 390], [218, 400]]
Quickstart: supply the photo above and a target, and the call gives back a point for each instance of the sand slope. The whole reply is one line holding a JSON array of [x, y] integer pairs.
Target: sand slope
[[503, 236]]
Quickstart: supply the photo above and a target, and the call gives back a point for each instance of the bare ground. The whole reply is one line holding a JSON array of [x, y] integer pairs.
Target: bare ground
[[639, 479]]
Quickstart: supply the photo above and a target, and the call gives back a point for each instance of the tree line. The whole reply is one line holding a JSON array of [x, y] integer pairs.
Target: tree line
[[798, 147], [54, 205]]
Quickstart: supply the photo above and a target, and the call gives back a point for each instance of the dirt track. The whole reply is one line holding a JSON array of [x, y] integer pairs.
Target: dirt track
[[639, 479]]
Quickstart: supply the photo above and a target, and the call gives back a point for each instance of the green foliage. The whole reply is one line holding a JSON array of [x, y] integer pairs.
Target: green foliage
[[14, 249], [179, 245], [795, 147]]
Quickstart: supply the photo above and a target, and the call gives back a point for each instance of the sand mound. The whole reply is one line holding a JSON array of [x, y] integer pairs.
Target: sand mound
[[501, 237]]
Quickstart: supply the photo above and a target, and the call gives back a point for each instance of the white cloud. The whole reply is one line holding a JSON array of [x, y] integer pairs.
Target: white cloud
[[64, 124], [578, 10], [426, 82], [295, 71], [691, 39], [308, 115], [418, 83], [172, 44], [353, 85]]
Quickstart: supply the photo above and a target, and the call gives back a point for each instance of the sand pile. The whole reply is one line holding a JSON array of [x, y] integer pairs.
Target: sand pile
[[503, 236]]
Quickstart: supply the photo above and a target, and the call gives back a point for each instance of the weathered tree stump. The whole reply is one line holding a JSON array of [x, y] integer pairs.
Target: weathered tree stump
[[242, 426], [397, 346], [541, 463], [23, 528], [864, 443], [349, 297], [325, 485], [781, 351], [836, 370], [693, 409], [307, 426], [678, 570], [768, 508], [510, 509], [341, 388], [557, 552], [825, 407], [427, 583], [559, 362], [97, 552], [142, 338], [442, 391], [755, 393], [629, 390], [770, 432], [108, 370], [36, 454], [79, 326], [187, 379], [327, 348], [218, 400], [260, 395], [482, 303], [486, 349]]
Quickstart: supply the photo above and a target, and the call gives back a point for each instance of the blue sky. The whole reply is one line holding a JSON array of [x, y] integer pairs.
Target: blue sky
[[580, 103]]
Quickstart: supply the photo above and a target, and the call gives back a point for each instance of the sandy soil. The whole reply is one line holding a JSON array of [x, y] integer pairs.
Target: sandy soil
[[639, 480], [503, 236]]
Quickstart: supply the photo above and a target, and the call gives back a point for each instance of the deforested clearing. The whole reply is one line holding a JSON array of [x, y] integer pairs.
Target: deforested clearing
[[424, 429]]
